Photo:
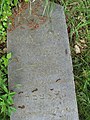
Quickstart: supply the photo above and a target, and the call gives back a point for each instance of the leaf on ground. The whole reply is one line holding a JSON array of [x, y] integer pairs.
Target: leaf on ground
[[77, 49]]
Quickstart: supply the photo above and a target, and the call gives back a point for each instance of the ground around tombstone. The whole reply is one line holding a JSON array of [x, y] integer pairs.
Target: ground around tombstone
[[78, 21]]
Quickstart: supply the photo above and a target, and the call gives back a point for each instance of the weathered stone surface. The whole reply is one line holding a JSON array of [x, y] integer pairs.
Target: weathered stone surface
[[41, 71]]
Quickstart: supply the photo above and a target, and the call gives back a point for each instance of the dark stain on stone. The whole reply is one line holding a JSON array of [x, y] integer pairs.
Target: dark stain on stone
[[66, 51], [51, 89], [58, 80], [22, 107], [66, 109], [12, 90], [60, 103], [54, 114], [20, 92], [35, 90]]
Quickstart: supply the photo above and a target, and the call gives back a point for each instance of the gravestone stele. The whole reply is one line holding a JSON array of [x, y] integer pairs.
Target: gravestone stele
[[40, 71]]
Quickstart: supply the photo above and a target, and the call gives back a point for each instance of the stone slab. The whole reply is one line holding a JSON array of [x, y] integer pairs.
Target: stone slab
[[40, 70]]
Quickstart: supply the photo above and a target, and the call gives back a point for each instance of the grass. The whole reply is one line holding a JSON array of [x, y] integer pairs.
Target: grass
[[78, 22], [6, 97]]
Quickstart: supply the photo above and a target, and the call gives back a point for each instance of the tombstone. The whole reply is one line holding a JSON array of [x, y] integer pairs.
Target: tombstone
[[40, 71]]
